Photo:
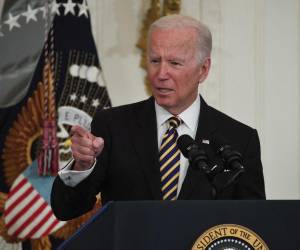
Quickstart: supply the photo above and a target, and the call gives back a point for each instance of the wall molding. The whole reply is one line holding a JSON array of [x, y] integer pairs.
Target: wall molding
[[259, 66], [210, 14]]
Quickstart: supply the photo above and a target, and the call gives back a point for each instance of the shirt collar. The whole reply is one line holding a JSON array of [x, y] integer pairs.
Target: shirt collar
[[189, 116]]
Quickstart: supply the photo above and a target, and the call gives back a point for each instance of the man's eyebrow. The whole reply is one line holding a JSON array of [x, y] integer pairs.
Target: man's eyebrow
[[179, 59]]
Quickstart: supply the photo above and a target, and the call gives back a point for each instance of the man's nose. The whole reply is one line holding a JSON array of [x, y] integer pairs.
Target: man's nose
[[163, 71]]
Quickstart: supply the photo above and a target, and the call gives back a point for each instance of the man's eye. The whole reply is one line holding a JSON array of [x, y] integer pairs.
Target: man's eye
[[154, 61], [175, 63]]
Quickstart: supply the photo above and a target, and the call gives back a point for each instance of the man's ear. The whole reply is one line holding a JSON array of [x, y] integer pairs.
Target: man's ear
[[204, 69]]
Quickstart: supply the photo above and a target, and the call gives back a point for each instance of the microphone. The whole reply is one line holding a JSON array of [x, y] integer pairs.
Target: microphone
[[192, 151], [232, 159]]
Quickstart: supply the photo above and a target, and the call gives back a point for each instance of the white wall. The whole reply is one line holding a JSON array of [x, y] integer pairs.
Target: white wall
[[280, 123], [254, 78]]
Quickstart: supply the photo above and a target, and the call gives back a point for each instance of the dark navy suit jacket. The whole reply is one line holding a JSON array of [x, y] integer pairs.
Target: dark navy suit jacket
[[128, 167]]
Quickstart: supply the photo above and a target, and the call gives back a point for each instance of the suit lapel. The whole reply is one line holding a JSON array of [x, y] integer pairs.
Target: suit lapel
[[196, 184], [144, 134]]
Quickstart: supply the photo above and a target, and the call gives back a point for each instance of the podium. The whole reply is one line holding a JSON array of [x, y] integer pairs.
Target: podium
[[157, 225]]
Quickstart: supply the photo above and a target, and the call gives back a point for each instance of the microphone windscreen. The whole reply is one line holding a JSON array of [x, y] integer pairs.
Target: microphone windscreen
[[183, 143]]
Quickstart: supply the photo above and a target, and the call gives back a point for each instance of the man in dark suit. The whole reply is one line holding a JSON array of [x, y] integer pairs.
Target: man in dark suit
[[131, 152]]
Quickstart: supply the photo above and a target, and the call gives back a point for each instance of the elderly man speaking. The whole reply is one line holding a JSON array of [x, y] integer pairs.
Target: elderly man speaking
[[131, 152]]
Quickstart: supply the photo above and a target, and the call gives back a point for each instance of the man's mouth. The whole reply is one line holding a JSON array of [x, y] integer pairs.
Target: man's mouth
[[164, 90]]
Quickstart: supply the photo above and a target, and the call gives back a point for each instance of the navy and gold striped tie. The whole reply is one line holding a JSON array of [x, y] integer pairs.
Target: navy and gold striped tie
[[169, 160]]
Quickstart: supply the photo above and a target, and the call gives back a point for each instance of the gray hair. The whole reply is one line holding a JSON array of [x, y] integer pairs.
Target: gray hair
[[204, 37]]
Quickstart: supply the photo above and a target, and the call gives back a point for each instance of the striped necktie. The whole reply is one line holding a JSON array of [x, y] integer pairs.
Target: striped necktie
[[169, 160]]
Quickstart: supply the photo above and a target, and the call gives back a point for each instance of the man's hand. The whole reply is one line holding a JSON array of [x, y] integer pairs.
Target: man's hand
[[85, 148]]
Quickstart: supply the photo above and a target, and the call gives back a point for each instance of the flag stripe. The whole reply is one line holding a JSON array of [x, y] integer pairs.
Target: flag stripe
[[34, 222], [18, 214], [29, 220], [17, 181], [50, 223], [16, 194], [59, 225], [19, 206], [17, 201], [52, 226], [26, 215], [16, 188], [37, 226]]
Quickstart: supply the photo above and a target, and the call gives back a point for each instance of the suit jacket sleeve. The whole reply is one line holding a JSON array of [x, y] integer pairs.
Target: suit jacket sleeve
[[251, 184], [70, 202]]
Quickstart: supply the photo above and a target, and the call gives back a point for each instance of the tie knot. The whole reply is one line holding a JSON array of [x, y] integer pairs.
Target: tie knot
[[174, 122]]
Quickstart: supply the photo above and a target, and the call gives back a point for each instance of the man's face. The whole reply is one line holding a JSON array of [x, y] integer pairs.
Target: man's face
[[173, 69]]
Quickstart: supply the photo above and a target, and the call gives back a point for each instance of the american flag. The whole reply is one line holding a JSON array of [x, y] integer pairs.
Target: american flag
[[27, 214], [80, 90]]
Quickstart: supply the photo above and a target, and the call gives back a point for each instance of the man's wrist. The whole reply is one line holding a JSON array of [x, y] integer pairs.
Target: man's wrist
[[76, 166]]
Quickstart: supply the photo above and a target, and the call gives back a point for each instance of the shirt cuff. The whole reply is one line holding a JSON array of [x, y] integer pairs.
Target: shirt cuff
[[72, 177]]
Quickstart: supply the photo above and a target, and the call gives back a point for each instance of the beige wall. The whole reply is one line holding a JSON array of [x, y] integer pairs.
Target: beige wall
[[254, 78]]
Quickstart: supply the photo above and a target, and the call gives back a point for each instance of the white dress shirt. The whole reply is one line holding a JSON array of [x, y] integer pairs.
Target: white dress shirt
[[190, 118], [72, 177]]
